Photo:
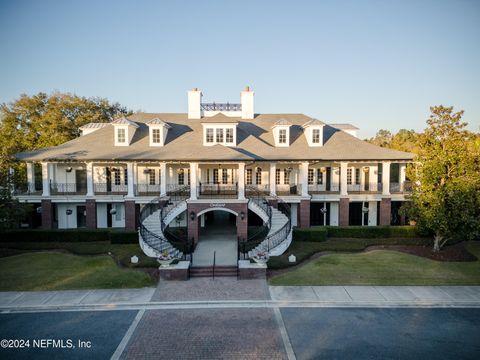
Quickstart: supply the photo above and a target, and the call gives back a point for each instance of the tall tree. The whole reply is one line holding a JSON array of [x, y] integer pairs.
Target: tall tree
[[41, 120], [446, 193]]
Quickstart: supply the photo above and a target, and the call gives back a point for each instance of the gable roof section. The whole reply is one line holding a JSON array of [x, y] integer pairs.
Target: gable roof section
[[220, 119], [123, 121], [313, 122], [185, 143], [157, 121]]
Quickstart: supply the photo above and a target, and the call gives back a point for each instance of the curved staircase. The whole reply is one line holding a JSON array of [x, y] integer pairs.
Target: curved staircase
[[155, 217]]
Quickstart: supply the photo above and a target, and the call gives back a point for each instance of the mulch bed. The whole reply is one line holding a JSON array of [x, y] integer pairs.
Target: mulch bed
[[456, 252]]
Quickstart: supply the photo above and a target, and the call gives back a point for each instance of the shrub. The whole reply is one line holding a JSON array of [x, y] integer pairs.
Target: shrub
[[123, 237], [73, 235], [310, 234], [368, 232]]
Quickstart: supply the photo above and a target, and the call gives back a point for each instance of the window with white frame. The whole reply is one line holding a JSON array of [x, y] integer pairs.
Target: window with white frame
[[181, 177], [215, 176], [258, 176], [349, 176], [310, 176], [188, 176], [209, 135], [224, 176], [219, 135], [229, 135], [286, 176], [156, 136], [151, 177], [357, 176], [277, 176], [249, 177], [116, 177], [319, 177], [282, 136], [121, 138], [125, 176], [316, 136]]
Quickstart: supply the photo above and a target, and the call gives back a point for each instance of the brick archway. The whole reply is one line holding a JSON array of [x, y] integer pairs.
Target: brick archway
[[194, 210]]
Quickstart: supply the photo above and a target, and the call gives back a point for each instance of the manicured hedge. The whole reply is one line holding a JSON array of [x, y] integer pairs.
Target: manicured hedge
[[71, 235], [123, 237], [366, 232], [310, 234]]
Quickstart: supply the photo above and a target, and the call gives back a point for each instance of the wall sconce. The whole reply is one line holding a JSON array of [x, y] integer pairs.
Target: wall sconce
[[323, 169], [258, 169], [366, 169], [181, 171], [323, 210], [289, 169], [242, 215], [192, 216], [69, 169]]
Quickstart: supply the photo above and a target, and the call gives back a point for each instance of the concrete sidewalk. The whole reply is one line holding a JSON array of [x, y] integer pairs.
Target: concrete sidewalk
[[281, 296]]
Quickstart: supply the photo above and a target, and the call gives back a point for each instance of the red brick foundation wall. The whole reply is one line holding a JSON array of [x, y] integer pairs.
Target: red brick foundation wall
[[385, 211], [130, 215], [47, 214], [304, 213], [343, 211], [91, 208], [194, 225]]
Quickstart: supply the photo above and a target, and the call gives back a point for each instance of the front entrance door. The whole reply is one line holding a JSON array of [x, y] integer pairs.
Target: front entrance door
[[81, 216]]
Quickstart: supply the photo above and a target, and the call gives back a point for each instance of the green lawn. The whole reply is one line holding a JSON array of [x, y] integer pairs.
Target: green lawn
[[52, 270], [382, 267]]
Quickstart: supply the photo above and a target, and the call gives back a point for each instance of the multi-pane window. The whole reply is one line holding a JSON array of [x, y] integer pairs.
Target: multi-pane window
[[120, 135], [282, 136], [229, 135], [156, 139], [316, 136], [125, 176], [188, 176], [277, 176], [181, 177], [249, 177], [258, 177], [215, 176], [286, 176], [357, 176], [219, 133], [349, 176], [209, 135], [151, 177], [319, 177], [116, 176], [310, 176], [208, 176], [224, 176]]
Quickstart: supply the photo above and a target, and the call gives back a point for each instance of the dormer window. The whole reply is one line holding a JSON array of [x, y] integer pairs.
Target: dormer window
[[281, 133], [219, 135], [282, 136], [158, 130], [121, 136], [156, 136], [313, 130], [229, 135], [209, 136]]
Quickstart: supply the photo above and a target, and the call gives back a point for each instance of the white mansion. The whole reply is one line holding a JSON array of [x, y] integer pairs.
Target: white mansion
[[264, 169]]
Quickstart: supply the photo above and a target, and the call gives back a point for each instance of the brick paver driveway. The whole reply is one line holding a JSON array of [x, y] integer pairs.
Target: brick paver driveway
[[207, 334]]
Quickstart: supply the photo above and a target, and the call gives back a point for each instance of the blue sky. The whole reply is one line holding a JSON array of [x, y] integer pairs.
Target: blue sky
[[375, 64]]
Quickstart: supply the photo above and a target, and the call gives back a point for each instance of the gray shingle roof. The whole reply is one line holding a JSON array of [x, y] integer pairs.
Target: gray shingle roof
[[282, 122], [344, 126], [157, 121], [184, 142]]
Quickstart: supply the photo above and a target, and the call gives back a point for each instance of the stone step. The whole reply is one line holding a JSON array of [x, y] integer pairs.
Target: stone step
[[207, 271]]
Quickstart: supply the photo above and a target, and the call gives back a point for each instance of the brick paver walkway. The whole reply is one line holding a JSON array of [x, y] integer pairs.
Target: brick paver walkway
[[220, 288], [207, 334]]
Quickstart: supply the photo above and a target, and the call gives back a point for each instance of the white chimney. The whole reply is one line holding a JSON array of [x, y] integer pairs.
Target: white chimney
[[246, 99], [194, 100]]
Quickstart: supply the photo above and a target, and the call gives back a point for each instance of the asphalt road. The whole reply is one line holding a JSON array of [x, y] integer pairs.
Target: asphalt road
[[104, 330], [383, 333], [327, 333]]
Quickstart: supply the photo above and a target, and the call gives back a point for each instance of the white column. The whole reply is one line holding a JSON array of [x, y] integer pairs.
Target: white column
[[402, 176], [304, 178], [163, 179], [343, 178], [273, 187], [386, 178], [90, 190], [193, 181], [241, 181], [46, 179], [31, 177], [130, 186]]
